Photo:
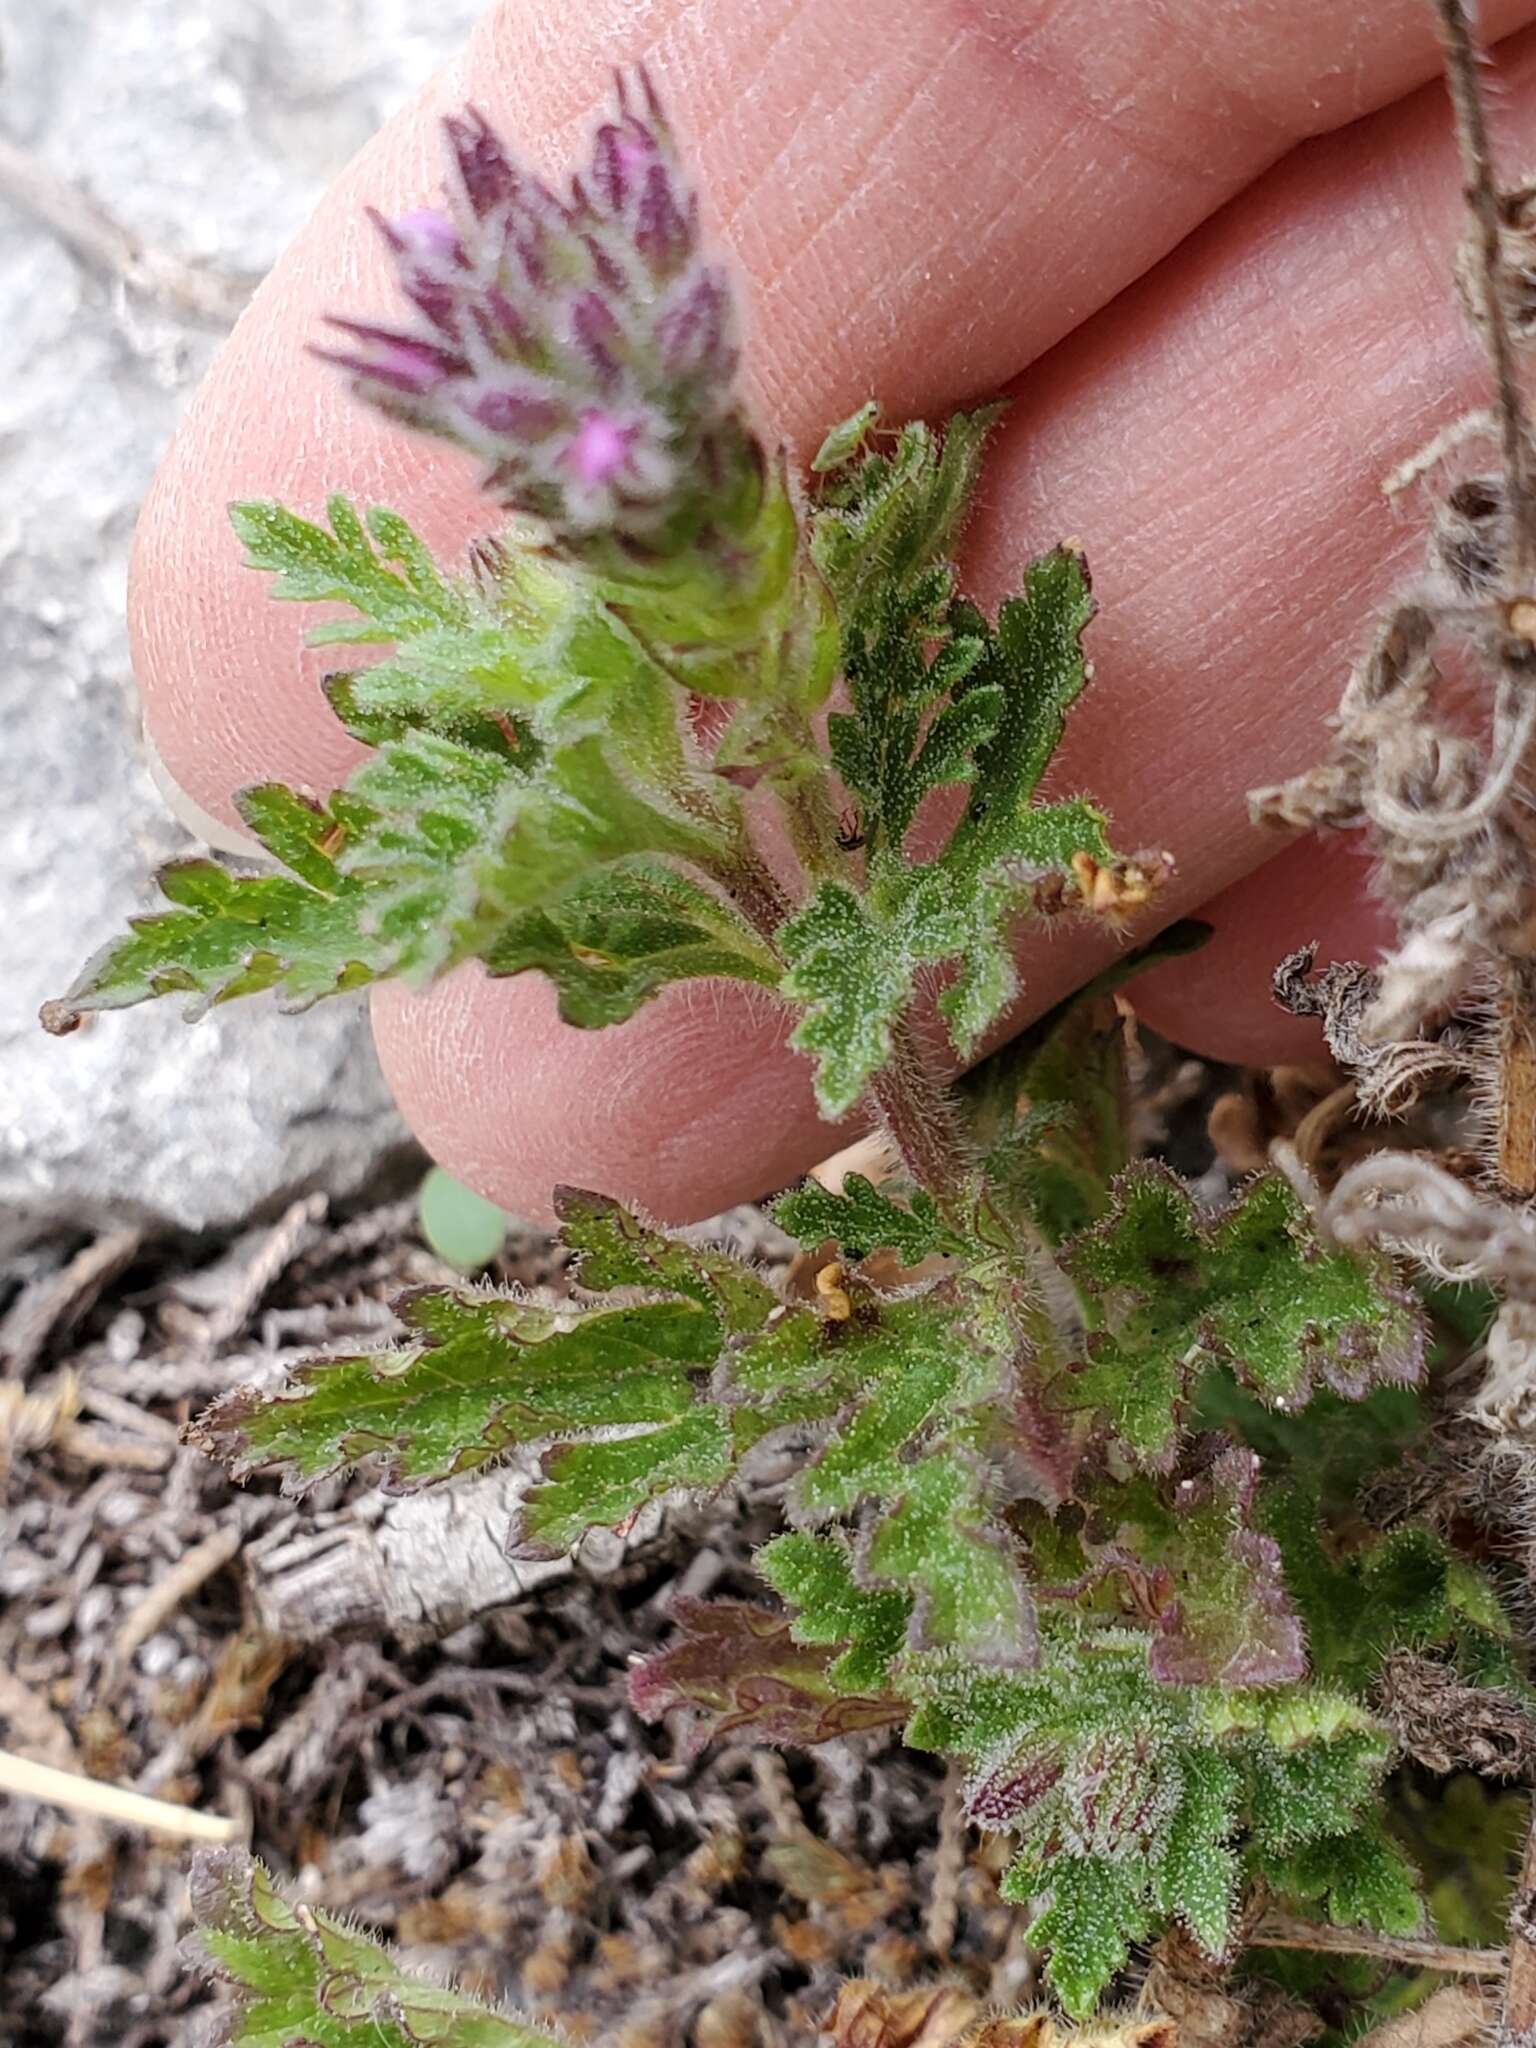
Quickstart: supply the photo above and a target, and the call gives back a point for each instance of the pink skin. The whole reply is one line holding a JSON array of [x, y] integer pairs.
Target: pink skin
[[1254, 327]]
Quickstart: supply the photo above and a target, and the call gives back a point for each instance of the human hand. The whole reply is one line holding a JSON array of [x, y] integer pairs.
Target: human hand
[[1219, 333]]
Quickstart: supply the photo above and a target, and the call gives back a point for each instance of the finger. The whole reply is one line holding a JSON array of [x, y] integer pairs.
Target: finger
[[1218, 1000], [918, 208], [698, 1104], [1216, 437]]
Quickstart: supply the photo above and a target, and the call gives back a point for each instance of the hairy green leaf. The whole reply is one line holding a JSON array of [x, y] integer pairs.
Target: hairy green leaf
[[1170, 1295], [1361, 1876], [881, 519], [1096, 1909], [619, 936], [532, 793], [614, 1248], [816, 1576], [294, 1976], [861, 1220], [477, 1375], [602, 1485], [1033, 659], [1197, 1875], [940, 696], [902, 1390], [1093, 1765], [1189, 1555], [373, 563], [854, 971]]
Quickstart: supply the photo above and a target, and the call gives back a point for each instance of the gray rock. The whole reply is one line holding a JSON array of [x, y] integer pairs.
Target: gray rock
[[209, 127]]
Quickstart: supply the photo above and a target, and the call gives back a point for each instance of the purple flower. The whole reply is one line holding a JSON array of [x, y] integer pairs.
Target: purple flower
[[582, 346]]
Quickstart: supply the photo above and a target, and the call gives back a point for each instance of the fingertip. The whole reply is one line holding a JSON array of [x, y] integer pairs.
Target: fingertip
[[1218, 1002], [695, 1104]]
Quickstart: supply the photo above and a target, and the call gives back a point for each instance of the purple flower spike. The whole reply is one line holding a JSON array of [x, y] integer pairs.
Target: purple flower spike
[[600, 449], [598, 335], [401, 362], [486, 173], [581, 345], [426, 234]]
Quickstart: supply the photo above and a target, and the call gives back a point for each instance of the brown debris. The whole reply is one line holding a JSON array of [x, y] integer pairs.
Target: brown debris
[[867, 2015], [1456, 2017], [1448, 1726], [488, 1803]]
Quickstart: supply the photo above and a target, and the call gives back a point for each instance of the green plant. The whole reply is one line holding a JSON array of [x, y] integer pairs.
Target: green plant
[[1077, 1504]]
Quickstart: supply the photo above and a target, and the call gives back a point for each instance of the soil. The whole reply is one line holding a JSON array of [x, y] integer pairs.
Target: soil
[[490, 1803]]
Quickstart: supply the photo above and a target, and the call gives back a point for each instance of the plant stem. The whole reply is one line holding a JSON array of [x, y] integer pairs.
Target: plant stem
[[751, 885], [1515, 1137], [811, 826], [1519, 2019], [1279, 1930], [1516, 1131], [916, 1108], [1461, 69]]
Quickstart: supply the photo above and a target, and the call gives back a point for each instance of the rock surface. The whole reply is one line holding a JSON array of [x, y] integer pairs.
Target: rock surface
[[208, 127]]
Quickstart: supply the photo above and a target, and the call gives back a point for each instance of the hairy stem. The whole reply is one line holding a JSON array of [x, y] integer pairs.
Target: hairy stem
[[751, 885], [1516, 1129], [812, 827], [1520, 1985], [1279, 1930], [916, 1108], [1515, 1137], [1462, 58]]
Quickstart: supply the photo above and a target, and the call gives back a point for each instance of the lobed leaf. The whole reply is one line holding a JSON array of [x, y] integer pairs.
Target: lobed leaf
[[1094, 1767], [1197, 1879], [1170, 1296], [294, 1976], [352, 565], [860, 1220], [855, 961], [945, 1543], [1401, 1589], [1096, 1909], [614, 1248], [940, 696], [604, 1485], [1360, 1876], [1192, 1559], [530, 800], [621, 935], [1033, 659], [816, 1577], [480, 1374], [882, 519], [900, 1390], [737, 1666]]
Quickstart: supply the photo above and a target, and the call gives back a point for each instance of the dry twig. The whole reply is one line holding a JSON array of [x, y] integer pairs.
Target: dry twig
[[1279, 1930], [52, 1304], [948, 1867], [79, 1794], [1453, 2018], [84, 225], [166, 1595]]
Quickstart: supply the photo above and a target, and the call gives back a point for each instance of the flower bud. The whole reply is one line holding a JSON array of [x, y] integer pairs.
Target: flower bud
[[580, 346]]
